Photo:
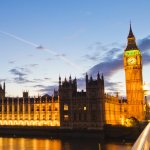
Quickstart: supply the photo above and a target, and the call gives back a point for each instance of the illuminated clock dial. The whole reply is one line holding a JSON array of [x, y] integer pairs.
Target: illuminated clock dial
[[131, 61]]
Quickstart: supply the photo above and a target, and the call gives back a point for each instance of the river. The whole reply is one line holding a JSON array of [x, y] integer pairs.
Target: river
[[58, 144]]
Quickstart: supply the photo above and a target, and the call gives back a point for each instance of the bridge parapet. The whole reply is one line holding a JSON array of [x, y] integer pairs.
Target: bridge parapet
[[143, 141]]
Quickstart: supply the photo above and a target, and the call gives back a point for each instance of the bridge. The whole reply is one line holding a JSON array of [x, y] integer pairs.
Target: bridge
[[143, 141]]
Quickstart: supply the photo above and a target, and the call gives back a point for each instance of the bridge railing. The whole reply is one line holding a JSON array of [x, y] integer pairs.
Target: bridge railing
[[143, 141]]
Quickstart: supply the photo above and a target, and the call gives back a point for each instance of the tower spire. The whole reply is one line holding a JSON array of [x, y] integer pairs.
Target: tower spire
[[131, 40], [131, 35]]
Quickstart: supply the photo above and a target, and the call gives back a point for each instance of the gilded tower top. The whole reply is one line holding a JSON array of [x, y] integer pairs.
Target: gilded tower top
[[131, 41]]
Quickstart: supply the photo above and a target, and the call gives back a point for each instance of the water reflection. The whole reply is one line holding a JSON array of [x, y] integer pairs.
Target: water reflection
[[57, 144]]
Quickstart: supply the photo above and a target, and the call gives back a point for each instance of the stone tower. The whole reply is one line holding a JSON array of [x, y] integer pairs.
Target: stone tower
[[134, 81]]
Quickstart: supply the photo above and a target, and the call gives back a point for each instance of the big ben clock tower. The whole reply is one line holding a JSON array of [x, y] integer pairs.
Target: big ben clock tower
[[134, 81]]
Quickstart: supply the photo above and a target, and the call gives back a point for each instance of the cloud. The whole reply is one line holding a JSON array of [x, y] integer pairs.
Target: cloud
[[33, 65], [99, 52], [108, 67], [2, 80], [113, 60], [49, 59], [18, 72], [46, 89], [144, 44], [60, 55], [93, 57], [113, 87], [20, 75], [21, 80], [12, 62], [47, 78]]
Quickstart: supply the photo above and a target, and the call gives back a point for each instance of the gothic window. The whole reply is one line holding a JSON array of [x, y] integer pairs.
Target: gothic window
[[37, 109], [56, 117], [50, 118], [44, 117], [49, 108], [32, 108], [43, 108], [32, 117], [66, 107], [66, 117]]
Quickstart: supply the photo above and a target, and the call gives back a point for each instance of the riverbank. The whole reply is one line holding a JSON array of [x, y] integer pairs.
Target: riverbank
[[109, 132]]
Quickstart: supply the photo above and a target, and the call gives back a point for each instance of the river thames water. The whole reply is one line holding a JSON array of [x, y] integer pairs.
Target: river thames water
[[57, 144]]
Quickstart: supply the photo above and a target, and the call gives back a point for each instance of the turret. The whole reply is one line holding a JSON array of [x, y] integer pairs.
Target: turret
[[70, 78], [98, 76], [4, 86], [91, 78], [59, 81], [86, 78]]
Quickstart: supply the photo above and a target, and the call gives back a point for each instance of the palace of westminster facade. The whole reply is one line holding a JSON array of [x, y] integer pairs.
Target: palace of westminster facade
[[68, 108]]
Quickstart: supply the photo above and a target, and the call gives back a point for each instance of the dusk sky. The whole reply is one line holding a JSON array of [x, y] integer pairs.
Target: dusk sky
[[42, 39]]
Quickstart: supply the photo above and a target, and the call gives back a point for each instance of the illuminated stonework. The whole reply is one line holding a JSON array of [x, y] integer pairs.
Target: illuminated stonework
[[26, 111], [118, 110], [114, 110], [134, 81], [85, 109]]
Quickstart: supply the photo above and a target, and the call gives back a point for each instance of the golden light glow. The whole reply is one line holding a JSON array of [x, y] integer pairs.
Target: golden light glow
[[30, 114]]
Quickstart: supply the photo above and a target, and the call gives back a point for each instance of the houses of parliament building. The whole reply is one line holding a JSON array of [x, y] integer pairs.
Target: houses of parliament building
[[69, 108]]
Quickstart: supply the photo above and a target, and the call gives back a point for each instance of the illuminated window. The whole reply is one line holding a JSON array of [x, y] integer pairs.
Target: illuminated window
[[65, 107], [50, 108], [84, 108], [32, 117], [37, 108], [32, 107], [44, 117], [43, 108], [56, 116], [50, 118], [66, 117]]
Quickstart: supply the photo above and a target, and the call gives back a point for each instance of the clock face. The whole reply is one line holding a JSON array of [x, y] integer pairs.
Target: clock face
[[131, 61]]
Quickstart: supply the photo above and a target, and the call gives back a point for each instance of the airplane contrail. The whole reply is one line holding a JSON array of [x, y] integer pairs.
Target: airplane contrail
[[43, 48], [19, 39]]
